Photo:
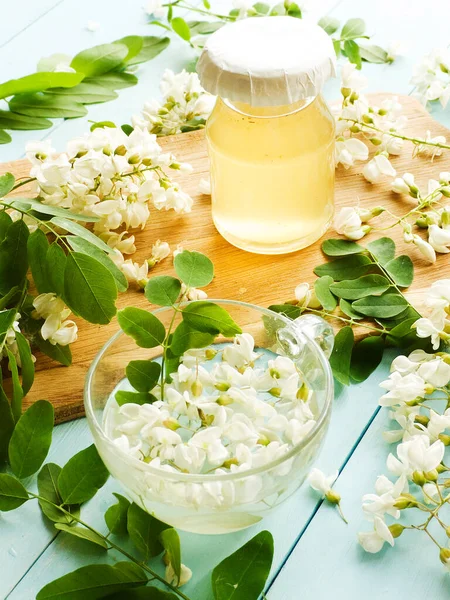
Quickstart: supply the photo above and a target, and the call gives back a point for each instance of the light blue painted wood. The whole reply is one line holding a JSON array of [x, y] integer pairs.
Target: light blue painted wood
[[348, 420], [16, 18], [328, 561]]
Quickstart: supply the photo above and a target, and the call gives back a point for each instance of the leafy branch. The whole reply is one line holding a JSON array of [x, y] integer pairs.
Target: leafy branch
[[96, 75], [362, 288]]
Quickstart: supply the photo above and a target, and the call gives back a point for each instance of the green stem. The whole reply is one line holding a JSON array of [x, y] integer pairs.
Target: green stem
[[17, 309], [188, 6], [113, 545], [330, 315], [415, 141], [24, 182]]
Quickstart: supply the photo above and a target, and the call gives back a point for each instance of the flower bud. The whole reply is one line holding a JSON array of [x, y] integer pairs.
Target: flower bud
[[382, 112], [210, 354], [376, 141], [429, 389], [303, 393], [367, 119], [197, 388], [422, 420], [222, 387], [230, 461], [147, 162], [445, 439], [447, 531], [120, 150], [431, 475], [345, 91], [333, 497], [134, 160], [171, 424], [275, 392], [405, 501], [441, 468], [422, 223], [445, 218], [419, 478], [355, 128], [444, 555], [142, 282], [224, 400], [354, 96], [263, 441], [396, 529]]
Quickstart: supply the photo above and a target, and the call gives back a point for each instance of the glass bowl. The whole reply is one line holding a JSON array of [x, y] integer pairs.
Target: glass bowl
[[212, 503]]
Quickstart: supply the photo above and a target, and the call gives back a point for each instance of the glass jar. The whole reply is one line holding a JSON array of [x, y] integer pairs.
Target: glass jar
[[271, 135], [216, 503]]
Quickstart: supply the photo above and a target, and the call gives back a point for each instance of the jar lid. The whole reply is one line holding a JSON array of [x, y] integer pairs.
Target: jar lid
[[267, 61]]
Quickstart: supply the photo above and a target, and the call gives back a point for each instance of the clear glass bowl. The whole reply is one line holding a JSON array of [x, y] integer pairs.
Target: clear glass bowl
[[213, 504]]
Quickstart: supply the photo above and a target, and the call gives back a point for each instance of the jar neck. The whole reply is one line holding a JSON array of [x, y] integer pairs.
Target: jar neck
[[268, 112]]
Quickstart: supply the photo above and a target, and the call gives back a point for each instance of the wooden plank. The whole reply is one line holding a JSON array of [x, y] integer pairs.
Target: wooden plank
[[261, 280], [350, 416], [328, 561]]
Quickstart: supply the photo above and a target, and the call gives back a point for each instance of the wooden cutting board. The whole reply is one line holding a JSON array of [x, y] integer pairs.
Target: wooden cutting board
[[257, 279]]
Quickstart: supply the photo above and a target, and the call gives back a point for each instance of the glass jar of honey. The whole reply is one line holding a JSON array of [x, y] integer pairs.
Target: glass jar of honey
[[271, 135]]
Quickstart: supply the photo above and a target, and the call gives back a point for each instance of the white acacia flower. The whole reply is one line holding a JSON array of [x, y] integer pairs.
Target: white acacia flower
[[435, 372], [160, 251], [172, 578], [439, 294], [439, 239], [373, 541], [155, 8], [379, 167], [395, 49], [241, 353], [306, 296], [192, 293], [381, 503], [401, 389], [210, 441], [352, 79], [432, 327], [134, 272], [426, 249], [118, 241], [438, 423], [204, 187], [349, 150], [320, 482], [399, 186], [348, 222], [416, 454], [426, 149]]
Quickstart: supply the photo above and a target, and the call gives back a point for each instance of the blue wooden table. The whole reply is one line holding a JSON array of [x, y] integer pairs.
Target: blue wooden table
[[316, 554]]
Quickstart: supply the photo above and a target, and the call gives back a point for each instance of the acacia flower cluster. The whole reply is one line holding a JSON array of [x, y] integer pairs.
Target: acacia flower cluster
[[109, 175], [185, 105], [431, 77], [57, 329], [417, 396], [217, 417], [437, 325]]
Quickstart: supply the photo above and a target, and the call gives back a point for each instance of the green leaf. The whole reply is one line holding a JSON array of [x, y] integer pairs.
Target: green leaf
[[7, 299], [102, 125], [145, 593], [89, 288], [7, 182], [383, 250], [337, 47], [172, 362], [353, 289], [146, 329], [341, 355], [116, 516], [6, 424], [373, 54], [61, 354], [144, 531], [128, 129], [208, 317], [56, 265], [294, 10], [31, 439], [181, 28], [193, 125], [82, 477], [163, 290], [262, 8], [151, 47], [352, 29], [185, 338], [13, 257], [5, 138], [329, 24], [401, 269], [401, 330], [288, 310], [204, 27], [94, 581], [348, 267], [17, 394], [323, 293], [37, 82], [85, 93], [170, 540], [99, 59], [193, 268], [37, 247], [82, 232], [366, 356], [84, 247], [381, 307], [12, 493], [26, 362], [5, 224], [143, 374], [351, 50], [7, 318], [243, 574], [134, 44], [347, 309], [115, 80], [123, 397], [83, 533], [46, 105], [47, 481], [47, 64], [10, 120], [341, 248]]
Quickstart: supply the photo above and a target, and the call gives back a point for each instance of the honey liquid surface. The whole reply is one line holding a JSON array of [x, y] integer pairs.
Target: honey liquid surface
[[272, 176]]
